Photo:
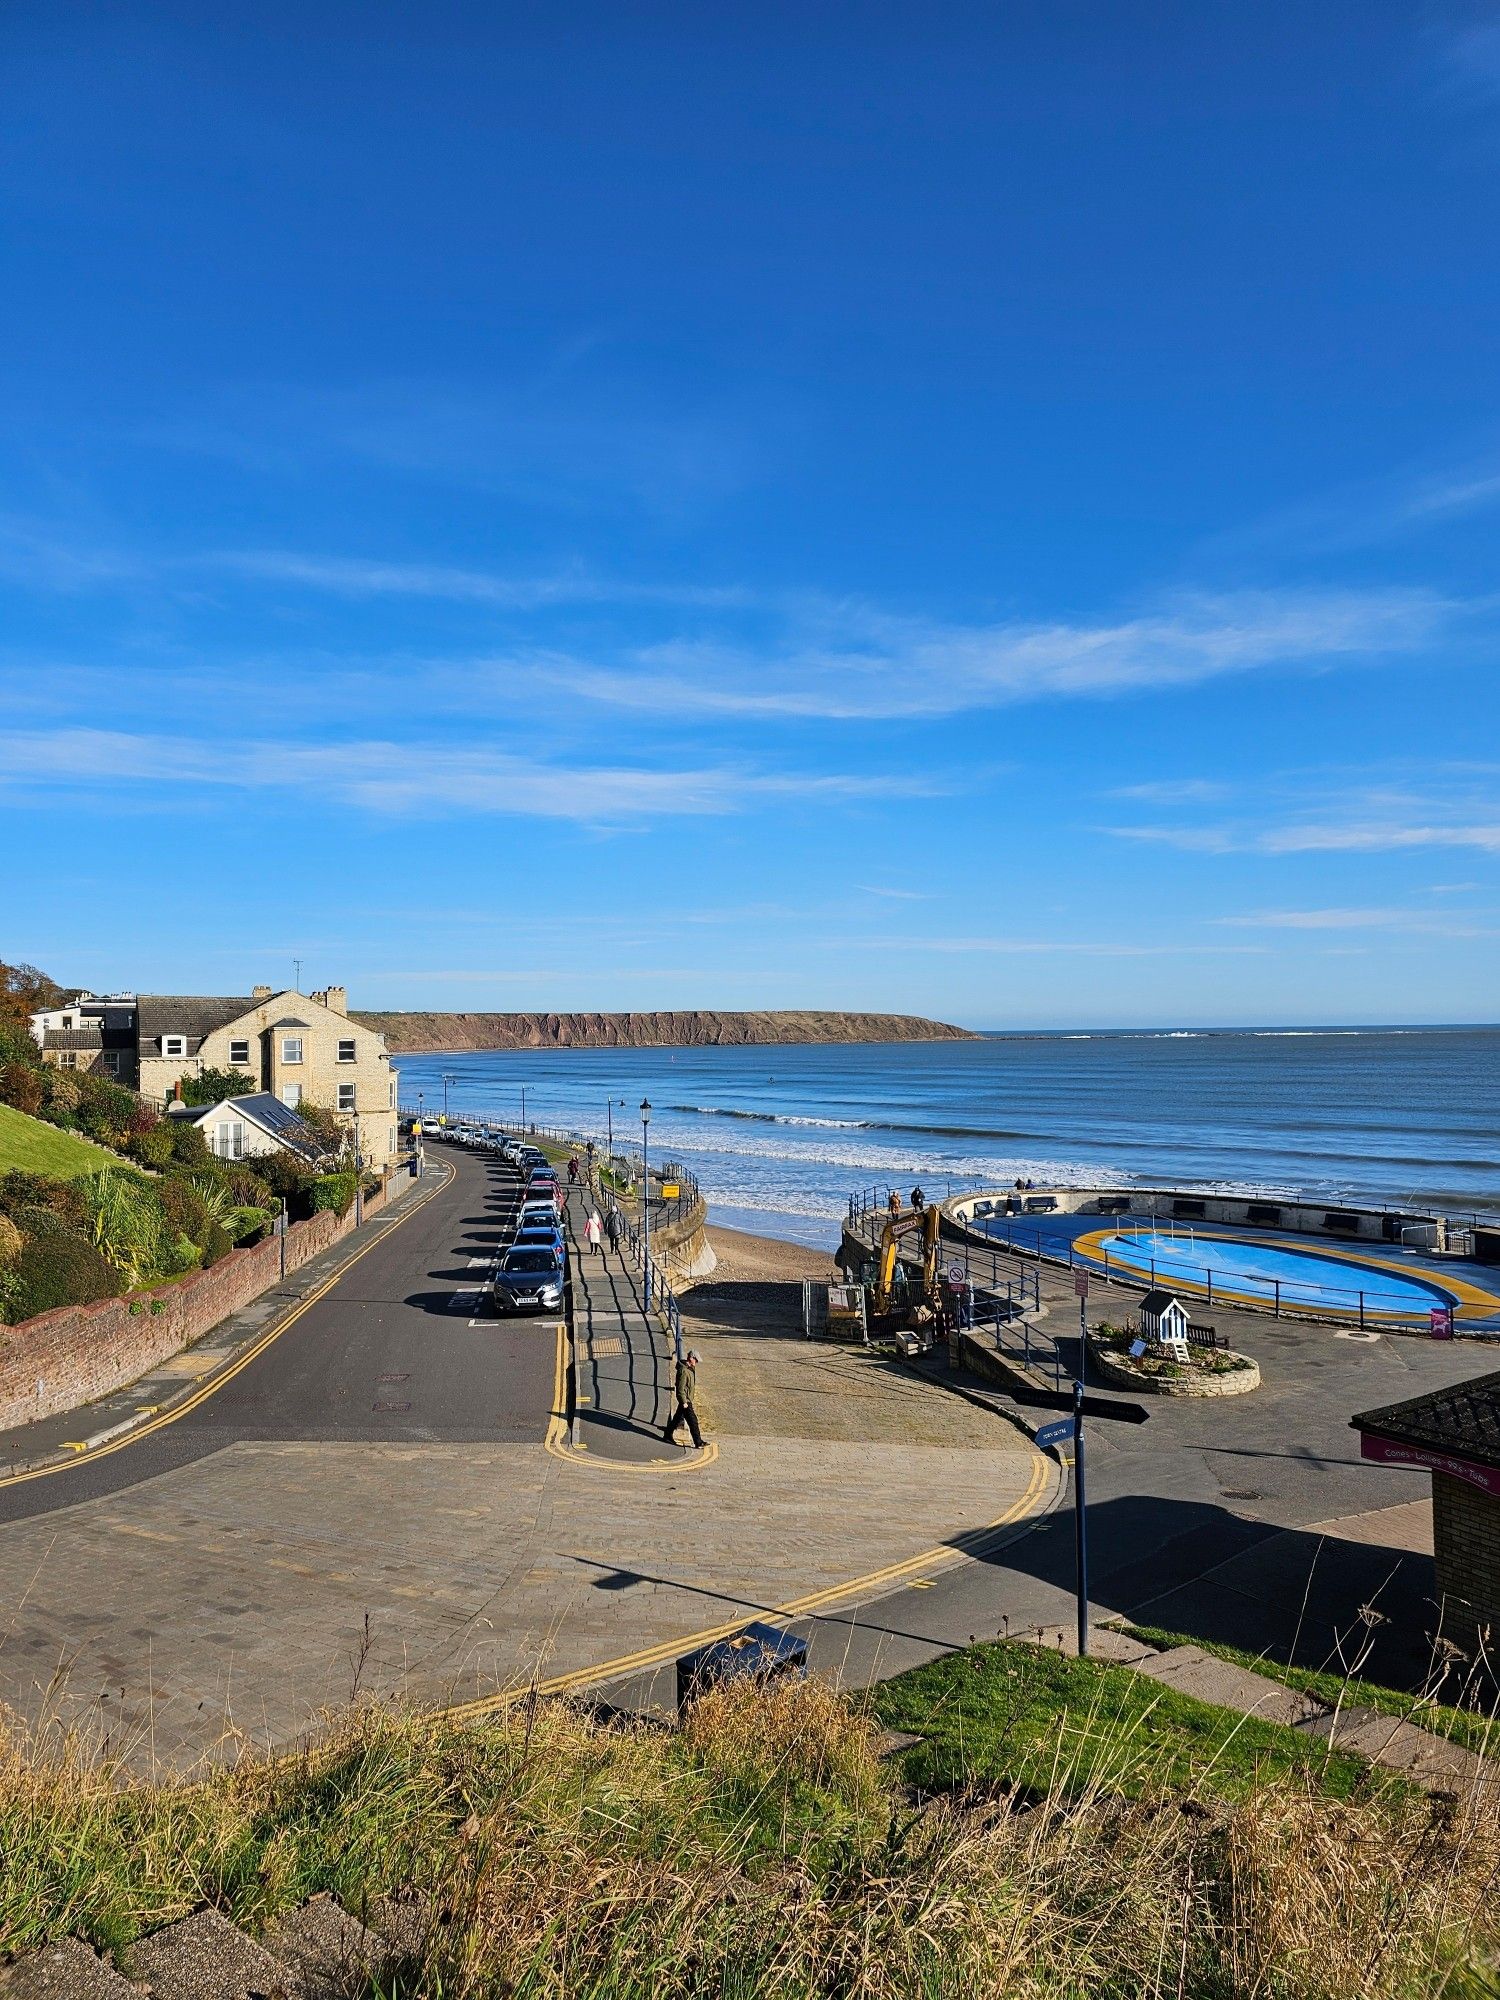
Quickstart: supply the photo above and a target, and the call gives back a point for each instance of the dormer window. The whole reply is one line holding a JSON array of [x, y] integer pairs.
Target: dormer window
[[174, 1045]]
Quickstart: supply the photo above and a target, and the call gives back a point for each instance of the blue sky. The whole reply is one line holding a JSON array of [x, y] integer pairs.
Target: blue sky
[[984, 511]]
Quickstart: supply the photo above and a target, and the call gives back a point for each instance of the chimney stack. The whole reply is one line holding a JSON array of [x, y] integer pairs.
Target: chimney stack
[[261, 993], [335, 999]]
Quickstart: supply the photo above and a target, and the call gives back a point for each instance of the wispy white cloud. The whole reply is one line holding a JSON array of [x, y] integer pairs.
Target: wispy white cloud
[[1422, 923], [415, 780], [1452, 807], [851, 661], [357, 576]]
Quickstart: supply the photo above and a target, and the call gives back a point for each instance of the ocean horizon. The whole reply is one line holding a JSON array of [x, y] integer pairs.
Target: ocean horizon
[[779, 1136]]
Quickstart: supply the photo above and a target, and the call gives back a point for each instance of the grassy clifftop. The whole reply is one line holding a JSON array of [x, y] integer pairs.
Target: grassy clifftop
[[44, 1149], [409, 1033], [1039, 1841]]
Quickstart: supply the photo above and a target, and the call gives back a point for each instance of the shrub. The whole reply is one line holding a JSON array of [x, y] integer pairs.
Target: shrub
[[62, 1096], [104, 1109], [57, 1268], [21, 1087], [245, 1225], [21, 1192], [333, 1191], [217, 1243], [11, 1242], [183, 1206], [212, 1086], [152, 1147], [189, 1147]]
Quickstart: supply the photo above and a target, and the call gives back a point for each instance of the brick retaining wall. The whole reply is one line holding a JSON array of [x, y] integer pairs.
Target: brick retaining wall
[[1466, 1544], [76, 1354]]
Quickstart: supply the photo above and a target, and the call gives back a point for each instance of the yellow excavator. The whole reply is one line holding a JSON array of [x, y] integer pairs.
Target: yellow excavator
[[929, 1222]]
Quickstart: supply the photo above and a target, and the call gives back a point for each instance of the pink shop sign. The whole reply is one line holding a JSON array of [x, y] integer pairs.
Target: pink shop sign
[[1386, 1451]]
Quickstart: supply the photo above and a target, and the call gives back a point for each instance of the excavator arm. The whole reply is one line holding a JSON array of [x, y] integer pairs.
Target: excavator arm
[[929, 1223]]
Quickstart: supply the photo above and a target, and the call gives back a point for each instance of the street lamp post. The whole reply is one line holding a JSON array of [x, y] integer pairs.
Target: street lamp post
[[447, 1079], [523, 1111], [646, 1193]]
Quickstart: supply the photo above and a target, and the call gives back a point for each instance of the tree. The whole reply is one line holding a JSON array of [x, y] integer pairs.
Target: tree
[[212, 1086], [24, 991]]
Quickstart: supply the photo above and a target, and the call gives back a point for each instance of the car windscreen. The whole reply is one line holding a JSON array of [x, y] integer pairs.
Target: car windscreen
[[530, 1260]]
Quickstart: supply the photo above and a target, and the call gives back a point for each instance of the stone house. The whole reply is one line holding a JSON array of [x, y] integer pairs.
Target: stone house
[[301, 1047], [95, 1032]]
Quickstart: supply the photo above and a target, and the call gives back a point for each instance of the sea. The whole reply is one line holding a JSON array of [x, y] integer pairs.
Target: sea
[[780, 1137]]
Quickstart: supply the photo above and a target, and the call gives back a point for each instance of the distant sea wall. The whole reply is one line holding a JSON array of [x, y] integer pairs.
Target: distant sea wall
[[415, 1033]]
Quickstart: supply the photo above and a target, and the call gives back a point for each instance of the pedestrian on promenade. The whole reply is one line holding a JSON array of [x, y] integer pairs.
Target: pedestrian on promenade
[[685, 1412], [573, 1171], [593, 1230], [894, 1203], [918, 1200], [614, 1227]]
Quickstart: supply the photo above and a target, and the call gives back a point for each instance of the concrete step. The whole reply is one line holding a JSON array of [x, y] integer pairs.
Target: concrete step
[[67, 1971], [204, 1957], [1430, 1761], [330, 1955], [1208, 1678]]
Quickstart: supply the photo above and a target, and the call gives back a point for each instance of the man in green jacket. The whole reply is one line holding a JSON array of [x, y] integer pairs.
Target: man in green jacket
[[687, 1372]]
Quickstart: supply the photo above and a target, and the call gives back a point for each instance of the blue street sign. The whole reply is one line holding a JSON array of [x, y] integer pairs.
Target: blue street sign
[[1051, 1435]]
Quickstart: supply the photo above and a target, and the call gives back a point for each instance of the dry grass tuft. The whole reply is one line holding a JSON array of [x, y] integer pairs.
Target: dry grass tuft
[[764, 1850]]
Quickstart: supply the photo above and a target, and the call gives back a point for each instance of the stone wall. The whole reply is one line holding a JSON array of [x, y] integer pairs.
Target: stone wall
[[1466, 1544], [76, 1354], [683, 1250]]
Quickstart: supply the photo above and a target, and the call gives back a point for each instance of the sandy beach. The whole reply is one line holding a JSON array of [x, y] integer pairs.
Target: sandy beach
[[749, 1259]]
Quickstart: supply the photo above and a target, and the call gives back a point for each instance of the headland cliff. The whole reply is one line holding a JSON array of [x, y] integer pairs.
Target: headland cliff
[[410, 1033]]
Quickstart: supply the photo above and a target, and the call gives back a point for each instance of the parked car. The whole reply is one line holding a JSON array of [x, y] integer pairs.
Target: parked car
[[529, 1280], [537, 1212], [540, 1236]]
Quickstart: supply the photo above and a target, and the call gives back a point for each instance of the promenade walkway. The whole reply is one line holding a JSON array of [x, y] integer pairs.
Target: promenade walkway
[[623, 1361]]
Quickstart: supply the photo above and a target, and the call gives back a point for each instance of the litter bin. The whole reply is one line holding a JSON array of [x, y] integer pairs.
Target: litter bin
[[761, 1652]]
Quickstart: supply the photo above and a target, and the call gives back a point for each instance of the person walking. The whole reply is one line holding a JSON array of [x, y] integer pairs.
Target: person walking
[[893, 1205], [685, 1412], [593, 1231], [918, 1200], [573, 1171], [614, 1227]]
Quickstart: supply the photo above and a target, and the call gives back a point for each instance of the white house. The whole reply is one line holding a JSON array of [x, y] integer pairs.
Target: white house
[[247, 1128]]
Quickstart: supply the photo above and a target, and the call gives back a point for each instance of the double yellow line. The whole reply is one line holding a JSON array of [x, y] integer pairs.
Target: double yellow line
[[241, 1361], [559, 1442], [944, 1556]]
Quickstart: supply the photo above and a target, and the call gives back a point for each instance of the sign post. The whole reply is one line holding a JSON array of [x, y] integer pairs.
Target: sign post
[[1048, 1438], [1080, 1524], [1081, 1286]]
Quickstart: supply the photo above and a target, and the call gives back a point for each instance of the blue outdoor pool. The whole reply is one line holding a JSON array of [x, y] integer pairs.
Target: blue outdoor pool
[[1250, 1270], [1384, 1283]]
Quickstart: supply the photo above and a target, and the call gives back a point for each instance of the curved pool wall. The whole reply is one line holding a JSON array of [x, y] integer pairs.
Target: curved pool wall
[[1235, 1250]]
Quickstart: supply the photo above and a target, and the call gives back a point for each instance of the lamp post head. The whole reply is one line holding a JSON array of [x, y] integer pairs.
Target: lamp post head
[[645, 1111]]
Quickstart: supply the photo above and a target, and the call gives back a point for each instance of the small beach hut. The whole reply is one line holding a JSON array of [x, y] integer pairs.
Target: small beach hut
[[1164, 1319]]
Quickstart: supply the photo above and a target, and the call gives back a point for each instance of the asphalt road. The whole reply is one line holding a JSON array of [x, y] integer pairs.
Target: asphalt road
[[400, 1350]]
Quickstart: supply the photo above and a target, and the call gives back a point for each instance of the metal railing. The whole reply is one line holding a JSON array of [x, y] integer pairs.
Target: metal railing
[[1281, 1296]]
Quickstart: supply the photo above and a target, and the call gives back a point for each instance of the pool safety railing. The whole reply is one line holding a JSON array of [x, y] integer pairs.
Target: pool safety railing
[[1230, 1288]]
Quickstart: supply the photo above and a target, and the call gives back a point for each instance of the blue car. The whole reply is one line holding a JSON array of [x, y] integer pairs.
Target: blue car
[[541, 1236]]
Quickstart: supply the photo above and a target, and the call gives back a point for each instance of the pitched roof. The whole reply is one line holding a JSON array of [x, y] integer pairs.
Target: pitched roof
[[1158, 1301], [73, 1038], [265, 1109], [192, 1014], [1463, 1419]]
